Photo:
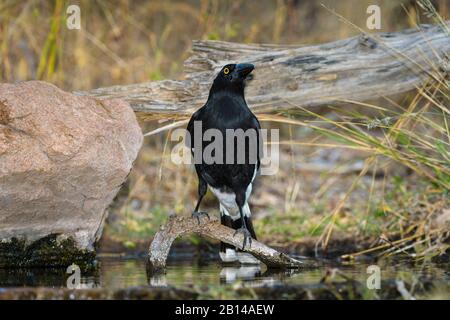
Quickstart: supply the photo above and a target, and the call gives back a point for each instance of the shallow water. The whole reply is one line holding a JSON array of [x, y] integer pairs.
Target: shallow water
[[116, 273]]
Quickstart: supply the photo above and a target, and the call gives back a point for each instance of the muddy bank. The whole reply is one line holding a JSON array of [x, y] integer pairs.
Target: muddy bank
[[134, 293], [330, 291]]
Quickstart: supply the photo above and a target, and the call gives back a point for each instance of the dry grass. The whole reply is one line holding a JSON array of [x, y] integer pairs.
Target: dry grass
[[135, 41]]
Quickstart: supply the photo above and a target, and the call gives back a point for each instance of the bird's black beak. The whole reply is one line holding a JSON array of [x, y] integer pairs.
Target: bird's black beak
[[244, 69]]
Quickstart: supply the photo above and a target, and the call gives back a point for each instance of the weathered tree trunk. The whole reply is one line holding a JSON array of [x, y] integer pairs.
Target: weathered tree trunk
[[177, 226], [359, 68]]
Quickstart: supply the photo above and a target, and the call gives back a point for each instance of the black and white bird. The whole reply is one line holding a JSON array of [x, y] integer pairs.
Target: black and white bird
[[231, 183]]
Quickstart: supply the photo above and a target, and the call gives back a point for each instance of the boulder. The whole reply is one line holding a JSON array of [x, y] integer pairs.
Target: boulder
[[63, 158]]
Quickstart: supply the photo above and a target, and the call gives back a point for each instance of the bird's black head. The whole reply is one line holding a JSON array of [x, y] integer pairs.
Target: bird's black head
[[231, 78]]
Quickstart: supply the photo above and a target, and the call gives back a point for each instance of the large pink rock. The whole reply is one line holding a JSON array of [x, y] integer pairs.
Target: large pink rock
[[63, 158]]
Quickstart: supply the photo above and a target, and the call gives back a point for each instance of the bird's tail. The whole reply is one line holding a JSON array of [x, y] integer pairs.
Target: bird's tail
[[229, 253]]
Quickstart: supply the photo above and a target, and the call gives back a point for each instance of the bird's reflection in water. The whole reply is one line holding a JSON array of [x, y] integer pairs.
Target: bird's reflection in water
[[255, 275], [251, 275], [245, 273], [158, 280]]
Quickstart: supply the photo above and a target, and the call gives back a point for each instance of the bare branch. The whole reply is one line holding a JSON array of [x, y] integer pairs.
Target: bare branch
[[177, 226]]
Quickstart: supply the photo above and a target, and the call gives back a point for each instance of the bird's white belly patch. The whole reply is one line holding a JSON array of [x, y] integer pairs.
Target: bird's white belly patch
[[227, 199], [228, 204]]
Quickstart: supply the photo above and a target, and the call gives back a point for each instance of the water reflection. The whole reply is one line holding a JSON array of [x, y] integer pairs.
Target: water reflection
[[121, 273]]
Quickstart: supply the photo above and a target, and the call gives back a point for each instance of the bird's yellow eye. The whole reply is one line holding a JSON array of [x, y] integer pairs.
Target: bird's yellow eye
[[226, 71]]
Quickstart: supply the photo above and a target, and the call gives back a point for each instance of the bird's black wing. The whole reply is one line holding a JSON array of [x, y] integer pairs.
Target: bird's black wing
[[255, 125], [196, 116], [243, 174], [199, 167]]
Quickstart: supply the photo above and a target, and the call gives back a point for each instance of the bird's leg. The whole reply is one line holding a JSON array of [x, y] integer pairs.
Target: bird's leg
[[197, 214], [201, 193], [244, 230]]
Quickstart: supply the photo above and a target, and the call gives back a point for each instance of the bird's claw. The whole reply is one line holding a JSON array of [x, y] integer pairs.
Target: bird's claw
[[198, 214], [247, 236]]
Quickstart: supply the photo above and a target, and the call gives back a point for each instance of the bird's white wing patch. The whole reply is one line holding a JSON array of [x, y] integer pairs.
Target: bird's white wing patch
[[250, 186], [254, 173]]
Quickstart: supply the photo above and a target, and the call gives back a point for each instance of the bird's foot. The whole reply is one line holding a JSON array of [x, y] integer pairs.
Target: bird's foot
[[198, 214], [247, 236]]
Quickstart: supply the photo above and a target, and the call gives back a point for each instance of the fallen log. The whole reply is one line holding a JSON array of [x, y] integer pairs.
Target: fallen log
[[177, 226], [355, 69]]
